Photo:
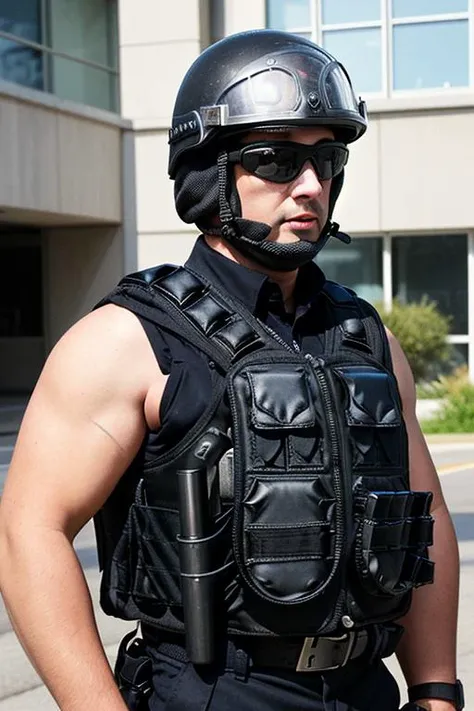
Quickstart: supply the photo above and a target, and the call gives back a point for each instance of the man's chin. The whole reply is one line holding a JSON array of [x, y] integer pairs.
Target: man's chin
[[292, 236]]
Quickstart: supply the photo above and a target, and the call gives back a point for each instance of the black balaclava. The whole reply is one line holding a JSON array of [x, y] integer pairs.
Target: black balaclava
[[205, 188]]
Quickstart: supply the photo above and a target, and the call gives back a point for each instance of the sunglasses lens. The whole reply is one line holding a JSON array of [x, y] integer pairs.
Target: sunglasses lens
[[277, 164], [330, 160], [281, 164]]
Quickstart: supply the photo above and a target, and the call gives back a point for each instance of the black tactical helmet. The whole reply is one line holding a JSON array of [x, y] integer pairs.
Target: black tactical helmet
[[262, 78]]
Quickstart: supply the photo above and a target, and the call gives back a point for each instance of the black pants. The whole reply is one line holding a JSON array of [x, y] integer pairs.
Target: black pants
[[359, 686]]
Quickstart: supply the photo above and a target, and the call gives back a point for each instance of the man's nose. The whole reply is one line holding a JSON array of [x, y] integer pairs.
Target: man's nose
[[307, 182]]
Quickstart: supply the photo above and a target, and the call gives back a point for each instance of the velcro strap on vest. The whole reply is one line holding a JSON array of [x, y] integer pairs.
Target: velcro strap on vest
[[386, 505], [403, 534], [311, 540]]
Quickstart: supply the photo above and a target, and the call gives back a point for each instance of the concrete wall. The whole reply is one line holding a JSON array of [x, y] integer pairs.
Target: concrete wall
[[58, 163], [240, 15], [155, 54], [81, 266], [411, 171], [156, 48]]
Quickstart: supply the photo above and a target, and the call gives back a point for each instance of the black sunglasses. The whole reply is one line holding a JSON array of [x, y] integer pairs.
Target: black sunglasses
[[282, 161]]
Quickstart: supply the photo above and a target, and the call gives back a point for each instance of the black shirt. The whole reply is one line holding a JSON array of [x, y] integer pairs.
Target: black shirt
[[188, 389]]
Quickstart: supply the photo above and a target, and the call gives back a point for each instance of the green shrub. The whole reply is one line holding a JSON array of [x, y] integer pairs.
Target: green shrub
[[456, 413], [444, 385], [422, 331]]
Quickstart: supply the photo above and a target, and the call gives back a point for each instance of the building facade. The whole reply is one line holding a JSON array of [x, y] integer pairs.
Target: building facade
[[63, 149], [86, 93]]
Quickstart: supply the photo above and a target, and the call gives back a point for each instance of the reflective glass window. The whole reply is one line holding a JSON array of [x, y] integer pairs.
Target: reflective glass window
[[85, 29], [359, 50], [21, 18], [21, 65], [459, 356], [414, 8], [285, 14], [418, 62], [80, 28], [18, 63], [357, 265], [83, 83], [419, 269], [339, 11]]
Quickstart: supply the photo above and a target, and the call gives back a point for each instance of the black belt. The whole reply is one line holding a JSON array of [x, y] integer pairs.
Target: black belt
[[308, 654]]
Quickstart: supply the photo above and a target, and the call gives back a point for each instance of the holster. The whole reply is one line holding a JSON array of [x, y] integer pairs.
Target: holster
[[133, 673]]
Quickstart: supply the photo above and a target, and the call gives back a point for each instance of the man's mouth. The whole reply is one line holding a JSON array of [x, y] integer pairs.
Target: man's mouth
[[303, 222]]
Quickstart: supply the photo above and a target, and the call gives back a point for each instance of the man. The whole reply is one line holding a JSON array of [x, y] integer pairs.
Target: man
[[235, 428]]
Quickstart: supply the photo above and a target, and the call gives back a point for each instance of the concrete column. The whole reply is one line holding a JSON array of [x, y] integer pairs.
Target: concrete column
[[241, 15], [81, 265]]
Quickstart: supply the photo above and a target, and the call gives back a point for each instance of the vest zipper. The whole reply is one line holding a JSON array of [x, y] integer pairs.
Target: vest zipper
[[281, 341], [340, 487]]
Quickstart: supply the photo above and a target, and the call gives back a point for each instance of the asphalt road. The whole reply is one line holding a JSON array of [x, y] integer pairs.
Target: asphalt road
[[21, 689]]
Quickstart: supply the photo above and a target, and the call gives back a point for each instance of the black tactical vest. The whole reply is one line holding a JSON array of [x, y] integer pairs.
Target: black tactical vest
[[310, 525]]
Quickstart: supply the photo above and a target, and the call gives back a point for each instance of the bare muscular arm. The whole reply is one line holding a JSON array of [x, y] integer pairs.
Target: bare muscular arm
[[427, 651], [83, 425]]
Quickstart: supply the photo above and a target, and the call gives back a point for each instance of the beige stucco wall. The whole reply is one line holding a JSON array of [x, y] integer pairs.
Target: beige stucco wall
[[154, 57], [81, 265], [240, 15], [411, 171], [57, 163], [156, 48]]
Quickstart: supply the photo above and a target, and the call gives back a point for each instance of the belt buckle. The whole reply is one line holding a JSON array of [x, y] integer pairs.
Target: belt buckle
[[308, 659]]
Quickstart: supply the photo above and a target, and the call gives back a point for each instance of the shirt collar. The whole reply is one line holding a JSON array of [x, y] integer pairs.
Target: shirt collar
[[248, 285]]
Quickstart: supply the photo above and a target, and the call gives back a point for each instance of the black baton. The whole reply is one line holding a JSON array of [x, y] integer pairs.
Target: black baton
[[195, 551], [197, 586]]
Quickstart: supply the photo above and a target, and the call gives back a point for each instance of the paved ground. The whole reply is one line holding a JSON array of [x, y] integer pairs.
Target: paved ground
[[21, 689]]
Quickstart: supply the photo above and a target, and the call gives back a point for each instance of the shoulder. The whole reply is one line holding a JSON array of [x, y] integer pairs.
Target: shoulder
[[106, 348]]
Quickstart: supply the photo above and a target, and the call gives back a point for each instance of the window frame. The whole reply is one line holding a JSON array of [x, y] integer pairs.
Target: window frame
[[48, 53], [388, 280]]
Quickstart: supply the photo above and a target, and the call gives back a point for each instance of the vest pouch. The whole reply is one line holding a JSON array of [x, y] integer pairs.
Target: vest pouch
[[373, 418], [154, 536], [287, 532], [118, 579], [392, 538], [288, 543]]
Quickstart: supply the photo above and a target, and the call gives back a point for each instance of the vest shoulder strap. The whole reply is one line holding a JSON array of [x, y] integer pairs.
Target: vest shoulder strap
[[354, 323], [193, 308]]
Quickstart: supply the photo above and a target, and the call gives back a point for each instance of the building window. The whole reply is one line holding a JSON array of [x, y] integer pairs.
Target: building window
[[419, 29], [291, 15], [357, 265], [419, 269], [386, 45], [359, 50], [65, 47], [20, 63]]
